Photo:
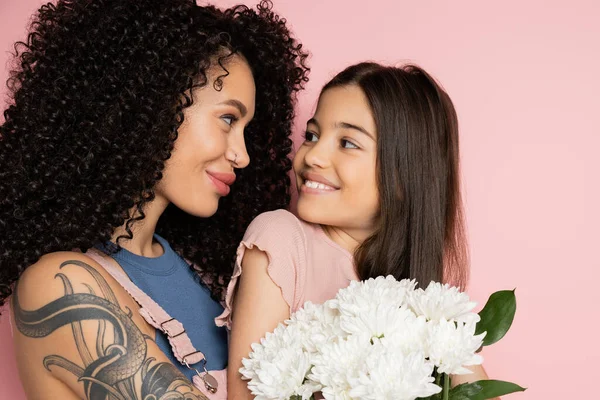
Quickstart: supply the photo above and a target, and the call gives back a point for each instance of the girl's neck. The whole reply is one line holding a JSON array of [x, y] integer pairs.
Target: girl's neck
[[348, 239], [143, 243]]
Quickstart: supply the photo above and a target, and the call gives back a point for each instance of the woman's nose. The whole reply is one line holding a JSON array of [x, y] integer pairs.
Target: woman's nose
[[241, 159]]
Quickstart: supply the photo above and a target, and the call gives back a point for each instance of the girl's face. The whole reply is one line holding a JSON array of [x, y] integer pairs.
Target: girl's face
[[210, 143], [336, 165]]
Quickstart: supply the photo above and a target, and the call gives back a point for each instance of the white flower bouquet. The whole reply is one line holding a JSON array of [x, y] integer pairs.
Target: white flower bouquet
[[381, 339]]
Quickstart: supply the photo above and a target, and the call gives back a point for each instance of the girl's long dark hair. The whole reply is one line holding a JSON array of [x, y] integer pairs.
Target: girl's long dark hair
[[98, 93], [420, 232]]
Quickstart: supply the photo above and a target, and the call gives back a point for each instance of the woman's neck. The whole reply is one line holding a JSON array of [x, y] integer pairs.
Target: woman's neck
[[143, 231]]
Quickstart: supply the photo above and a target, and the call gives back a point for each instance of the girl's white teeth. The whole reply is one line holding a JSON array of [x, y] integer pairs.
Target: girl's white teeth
[[317, 185]]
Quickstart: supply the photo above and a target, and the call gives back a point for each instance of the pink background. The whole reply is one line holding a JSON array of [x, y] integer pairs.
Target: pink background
[[524, 78]]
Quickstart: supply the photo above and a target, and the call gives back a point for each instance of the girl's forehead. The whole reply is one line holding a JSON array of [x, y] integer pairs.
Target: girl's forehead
[[345, 107]]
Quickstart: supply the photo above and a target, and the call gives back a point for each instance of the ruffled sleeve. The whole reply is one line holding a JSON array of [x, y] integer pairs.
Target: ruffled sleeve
[[281, 236]]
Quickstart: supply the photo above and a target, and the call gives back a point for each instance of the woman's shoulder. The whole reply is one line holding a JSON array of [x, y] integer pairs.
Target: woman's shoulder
[[43, 281], [63, 273], [72, 290]]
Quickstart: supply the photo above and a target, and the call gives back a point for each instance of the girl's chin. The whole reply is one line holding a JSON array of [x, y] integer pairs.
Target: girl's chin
[[310, 212]]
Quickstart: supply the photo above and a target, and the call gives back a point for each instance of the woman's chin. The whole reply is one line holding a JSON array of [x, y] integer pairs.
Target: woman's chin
[[200, 210]]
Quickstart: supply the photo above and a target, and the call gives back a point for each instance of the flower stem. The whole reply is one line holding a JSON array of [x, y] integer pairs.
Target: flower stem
[[446, 387]]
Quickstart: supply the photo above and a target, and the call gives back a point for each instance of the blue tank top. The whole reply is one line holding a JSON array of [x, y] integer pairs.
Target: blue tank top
[[173, 285]]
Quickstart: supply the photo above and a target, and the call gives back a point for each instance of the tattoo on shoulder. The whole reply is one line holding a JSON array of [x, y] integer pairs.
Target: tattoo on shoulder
[[108, 371]]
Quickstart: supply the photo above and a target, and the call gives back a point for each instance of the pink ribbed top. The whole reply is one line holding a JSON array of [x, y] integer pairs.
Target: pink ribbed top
[[303, 261]]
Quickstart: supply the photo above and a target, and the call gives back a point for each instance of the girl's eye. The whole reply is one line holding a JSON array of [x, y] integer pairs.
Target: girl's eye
[[310, 137], [346, 144], [229, 119]]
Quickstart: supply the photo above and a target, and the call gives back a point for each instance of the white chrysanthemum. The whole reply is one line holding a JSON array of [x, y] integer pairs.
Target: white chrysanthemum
[[317, 324], [309, 313], [278, 366], [377, 339], [394, 375], [360, 297], [398, 324], [411, 336], [451, 346], [358, 369], [441, 301], [337, 364]]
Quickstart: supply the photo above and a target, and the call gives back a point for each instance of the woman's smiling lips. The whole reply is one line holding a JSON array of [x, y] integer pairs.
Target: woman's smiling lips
[[222, 181]]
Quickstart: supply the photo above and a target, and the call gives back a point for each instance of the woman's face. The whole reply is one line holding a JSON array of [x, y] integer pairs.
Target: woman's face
[[210, 143], [336, 165]]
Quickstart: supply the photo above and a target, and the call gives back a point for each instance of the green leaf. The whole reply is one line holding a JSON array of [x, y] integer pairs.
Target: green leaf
[[432, 397], [482, 390], [497, 316], [465, 391]]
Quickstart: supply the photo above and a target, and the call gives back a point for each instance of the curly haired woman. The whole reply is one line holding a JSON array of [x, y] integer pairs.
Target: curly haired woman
[[128, 125]]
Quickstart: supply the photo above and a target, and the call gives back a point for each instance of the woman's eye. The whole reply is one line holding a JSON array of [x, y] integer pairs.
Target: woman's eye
[[310, 137], [229, 119], [346, 144]]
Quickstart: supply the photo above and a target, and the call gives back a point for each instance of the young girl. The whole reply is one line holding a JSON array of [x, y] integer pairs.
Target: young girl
[[129, 123], [378, 179]]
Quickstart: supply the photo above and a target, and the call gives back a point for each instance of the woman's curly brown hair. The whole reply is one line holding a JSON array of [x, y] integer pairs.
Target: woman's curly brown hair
[[98, 93]]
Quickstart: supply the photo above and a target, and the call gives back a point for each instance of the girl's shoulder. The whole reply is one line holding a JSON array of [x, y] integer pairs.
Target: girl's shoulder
[[281, 226], [282, 219]]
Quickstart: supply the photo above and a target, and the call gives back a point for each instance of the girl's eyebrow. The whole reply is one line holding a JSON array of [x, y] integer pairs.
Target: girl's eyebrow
[[343, 125], [347, 125]]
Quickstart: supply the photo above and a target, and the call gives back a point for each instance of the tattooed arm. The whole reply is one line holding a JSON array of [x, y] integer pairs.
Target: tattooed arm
[[78, 335]]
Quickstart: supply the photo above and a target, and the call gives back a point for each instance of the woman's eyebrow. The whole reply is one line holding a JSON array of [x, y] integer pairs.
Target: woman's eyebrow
[[237, 104]]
